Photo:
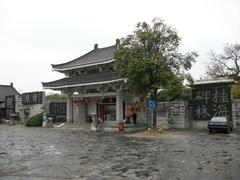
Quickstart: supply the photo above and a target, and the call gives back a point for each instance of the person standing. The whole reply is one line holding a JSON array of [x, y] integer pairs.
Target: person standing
[[134, 117]]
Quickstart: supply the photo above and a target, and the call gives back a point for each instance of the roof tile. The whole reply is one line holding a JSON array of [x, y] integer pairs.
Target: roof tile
[[76, 80], [94, 56]]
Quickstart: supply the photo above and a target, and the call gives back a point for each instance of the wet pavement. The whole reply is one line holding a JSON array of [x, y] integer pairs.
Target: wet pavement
[[40, 153]]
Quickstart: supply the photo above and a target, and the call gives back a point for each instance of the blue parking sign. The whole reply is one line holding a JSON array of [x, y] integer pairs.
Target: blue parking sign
[[152, 104]]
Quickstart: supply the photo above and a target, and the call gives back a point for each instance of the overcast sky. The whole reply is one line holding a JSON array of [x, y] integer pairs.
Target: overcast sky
[[37, 33]]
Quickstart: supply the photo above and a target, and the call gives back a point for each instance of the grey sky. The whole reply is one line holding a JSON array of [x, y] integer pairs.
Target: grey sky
[[37, 33]]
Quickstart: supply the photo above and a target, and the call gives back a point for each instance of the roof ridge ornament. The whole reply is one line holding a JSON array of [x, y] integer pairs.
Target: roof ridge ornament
[[95, 47], [117, 43]]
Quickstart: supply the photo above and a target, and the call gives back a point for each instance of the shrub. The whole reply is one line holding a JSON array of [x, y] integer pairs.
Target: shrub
[[35, 121], [61, 119], [54, 117], [57, 119]]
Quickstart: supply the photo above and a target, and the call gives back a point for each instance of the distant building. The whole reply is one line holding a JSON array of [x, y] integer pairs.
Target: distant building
[[10, 100]]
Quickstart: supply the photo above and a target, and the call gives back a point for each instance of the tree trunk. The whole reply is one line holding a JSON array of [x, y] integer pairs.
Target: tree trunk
[[154, 97]]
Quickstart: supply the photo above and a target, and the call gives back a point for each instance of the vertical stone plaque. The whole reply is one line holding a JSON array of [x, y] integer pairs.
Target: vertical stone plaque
[[211, 100]]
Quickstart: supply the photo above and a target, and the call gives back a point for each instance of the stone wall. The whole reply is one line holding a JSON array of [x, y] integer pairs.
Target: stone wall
[[36, 109], [236, 112], [162, 115], [174, 114], [178, 114], [142, 117], [202, 124], [18, 103], [27, 111]]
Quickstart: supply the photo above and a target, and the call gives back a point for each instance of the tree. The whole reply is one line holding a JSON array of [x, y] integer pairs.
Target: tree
[[226, 64], [236, 91], [52, 96], [150, 60], [177, 93]]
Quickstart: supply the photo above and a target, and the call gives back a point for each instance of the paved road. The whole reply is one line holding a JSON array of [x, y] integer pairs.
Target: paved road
[[55, 154]]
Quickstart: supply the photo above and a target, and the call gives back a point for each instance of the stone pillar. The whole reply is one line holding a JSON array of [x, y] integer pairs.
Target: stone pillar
[[82, 112], [79, 111], [69, 109], [119, 106]]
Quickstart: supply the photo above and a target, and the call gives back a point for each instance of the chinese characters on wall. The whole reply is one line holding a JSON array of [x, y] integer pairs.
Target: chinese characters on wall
[[58, 108], [211, 101], [32, 98]]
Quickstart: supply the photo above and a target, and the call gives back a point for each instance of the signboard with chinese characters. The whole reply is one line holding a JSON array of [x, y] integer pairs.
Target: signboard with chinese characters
[[9, 105], [209, 101], [32, 98]]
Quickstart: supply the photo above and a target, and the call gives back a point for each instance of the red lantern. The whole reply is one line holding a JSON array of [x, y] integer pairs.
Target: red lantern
[[98, 101]]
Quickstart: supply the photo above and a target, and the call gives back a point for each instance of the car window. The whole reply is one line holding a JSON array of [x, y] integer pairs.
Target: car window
[[219, 119]]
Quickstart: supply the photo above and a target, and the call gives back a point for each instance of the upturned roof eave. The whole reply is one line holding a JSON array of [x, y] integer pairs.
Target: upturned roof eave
[[84, 65], [83, 84], [62, 64], [93, 56]]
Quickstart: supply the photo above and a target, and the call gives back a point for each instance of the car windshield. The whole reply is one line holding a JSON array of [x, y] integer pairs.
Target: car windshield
[[219, 119]]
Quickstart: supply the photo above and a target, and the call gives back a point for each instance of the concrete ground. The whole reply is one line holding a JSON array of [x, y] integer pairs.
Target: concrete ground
[[55, 154]]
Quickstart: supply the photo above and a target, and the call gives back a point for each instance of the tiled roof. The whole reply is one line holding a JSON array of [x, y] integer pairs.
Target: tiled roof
[[83, 80], [214, 81], [100, 55], [7, 90]]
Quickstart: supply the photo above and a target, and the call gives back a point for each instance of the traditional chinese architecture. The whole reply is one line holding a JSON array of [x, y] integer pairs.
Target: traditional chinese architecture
[[211, 97], [9, 100], [93, 87]]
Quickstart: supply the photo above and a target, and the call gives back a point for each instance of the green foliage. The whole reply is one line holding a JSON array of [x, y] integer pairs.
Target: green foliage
[[150, 60], [109, 109], [35, 121], [57, 119], [53, 96], [60, 119], [236, 91], [175, 94]]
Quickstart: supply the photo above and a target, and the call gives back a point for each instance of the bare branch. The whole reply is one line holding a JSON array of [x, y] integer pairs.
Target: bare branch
[[225, 64]]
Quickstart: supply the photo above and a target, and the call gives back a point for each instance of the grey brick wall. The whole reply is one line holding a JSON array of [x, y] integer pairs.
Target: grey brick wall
[[176, 113], [236, 112]]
